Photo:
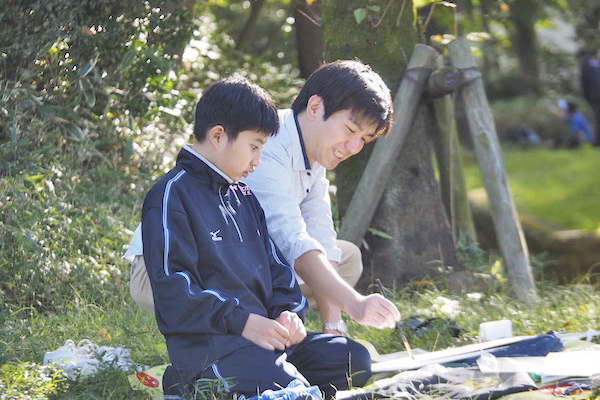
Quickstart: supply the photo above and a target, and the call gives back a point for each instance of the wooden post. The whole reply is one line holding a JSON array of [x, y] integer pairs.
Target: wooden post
[[380, 165], [448, 152], [511, 240]]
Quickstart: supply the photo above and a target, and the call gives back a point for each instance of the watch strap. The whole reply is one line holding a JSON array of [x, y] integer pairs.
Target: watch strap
[[338, 325]]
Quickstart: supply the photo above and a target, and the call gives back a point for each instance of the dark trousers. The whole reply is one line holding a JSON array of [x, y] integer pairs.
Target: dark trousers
[[596, 109], [332, 362]]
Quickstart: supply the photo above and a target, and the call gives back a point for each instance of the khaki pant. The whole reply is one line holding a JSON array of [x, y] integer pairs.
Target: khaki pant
[[350, 268]]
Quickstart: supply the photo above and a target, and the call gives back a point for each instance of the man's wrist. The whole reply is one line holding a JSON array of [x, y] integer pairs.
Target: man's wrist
[[338, 325], [353, 308]]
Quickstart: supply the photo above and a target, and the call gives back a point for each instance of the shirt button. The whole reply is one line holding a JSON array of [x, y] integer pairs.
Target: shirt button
[[307, 190], [308, 173]]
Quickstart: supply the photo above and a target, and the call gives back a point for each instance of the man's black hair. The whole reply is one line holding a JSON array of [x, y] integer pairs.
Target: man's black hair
[[349, 85], [237, 105]]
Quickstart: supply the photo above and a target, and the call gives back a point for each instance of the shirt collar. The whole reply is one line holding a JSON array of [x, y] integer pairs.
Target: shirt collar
[[211, 165], [304, 155], [296, 150]]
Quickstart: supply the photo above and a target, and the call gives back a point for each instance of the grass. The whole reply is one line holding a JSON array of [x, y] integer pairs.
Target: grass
[[559, 186], [27, 333]]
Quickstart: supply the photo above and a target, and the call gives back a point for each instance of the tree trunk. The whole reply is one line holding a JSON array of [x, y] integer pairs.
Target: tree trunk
[[449, 160], [490, 57], [245, 33], [309, 36], [523, 14], [410, 209]]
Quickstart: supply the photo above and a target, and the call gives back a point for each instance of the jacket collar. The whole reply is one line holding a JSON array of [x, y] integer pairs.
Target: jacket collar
[[201, 168]]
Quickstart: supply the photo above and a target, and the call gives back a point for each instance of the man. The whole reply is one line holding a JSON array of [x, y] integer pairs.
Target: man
[[342, 106], [590, 84]]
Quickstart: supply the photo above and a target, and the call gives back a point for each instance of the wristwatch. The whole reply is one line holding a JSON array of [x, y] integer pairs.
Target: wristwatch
[[338, 325]]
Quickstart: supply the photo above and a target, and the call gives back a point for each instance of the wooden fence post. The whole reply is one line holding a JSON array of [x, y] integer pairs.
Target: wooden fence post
[[449, 156], [380, 165], [511, 240]]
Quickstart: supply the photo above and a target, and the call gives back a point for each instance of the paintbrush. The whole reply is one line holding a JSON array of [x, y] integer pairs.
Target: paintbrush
[[398, 326]]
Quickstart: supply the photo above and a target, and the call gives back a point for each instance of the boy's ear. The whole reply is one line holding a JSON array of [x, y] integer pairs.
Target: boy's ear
[[216, 136], [315, 107]]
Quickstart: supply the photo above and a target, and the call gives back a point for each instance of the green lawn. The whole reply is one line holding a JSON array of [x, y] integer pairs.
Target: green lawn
[[27, 334], [559, 186]]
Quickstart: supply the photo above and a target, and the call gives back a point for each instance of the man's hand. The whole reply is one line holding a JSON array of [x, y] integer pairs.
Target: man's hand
[[294, 325], [375, 310], [266, 333]]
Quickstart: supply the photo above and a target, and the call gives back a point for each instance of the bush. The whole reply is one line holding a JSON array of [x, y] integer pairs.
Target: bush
[[73, 48], [74, 174]]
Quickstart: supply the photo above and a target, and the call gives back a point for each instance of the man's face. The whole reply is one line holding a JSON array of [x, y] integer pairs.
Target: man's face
[[239, 157], [339, 137]]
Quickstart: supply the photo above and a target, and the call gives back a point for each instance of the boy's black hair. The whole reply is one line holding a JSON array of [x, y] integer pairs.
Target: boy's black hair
[[237, 105], [571, 107], [349, 85]]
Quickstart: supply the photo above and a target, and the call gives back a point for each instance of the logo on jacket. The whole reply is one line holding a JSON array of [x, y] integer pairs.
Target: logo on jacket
[[214, 236], [245, 190]]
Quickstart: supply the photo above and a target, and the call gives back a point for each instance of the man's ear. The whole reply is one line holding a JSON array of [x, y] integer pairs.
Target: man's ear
[[216, 136], [315, 108]]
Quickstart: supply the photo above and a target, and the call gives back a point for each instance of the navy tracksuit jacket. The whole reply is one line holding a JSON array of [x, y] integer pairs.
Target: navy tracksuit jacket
[[210, 263]]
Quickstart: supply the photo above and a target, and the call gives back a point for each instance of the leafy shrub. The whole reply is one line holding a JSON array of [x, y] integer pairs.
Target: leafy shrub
[[72, 48], [79, 149]]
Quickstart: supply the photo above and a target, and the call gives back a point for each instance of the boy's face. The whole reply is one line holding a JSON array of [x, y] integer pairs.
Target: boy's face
[[237, 158], [339, 137]]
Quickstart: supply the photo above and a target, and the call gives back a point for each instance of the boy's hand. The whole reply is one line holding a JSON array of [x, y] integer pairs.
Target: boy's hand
[[266, 333], [294, 325]]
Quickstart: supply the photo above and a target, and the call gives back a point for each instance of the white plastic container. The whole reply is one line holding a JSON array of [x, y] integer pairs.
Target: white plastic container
[[495, 330]]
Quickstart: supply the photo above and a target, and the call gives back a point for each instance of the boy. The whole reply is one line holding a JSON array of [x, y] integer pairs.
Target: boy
[[224, 298]]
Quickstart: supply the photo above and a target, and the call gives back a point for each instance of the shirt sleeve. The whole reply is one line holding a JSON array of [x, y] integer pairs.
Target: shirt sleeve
[[316, 211], [171, 255], [272, 184]]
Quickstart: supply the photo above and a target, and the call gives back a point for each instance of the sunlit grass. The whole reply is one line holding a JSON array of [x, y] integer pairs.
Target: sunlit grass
[[27, 334], [559, 186]]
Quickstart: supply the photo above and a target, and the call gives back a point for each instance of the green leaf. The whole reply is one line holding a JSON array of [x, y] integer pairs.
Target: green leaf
[[128, 151], [127, 60], [14, 131], [374, 8], [45, 49], [422, 3], [360, 14], [76, 132], [88, 67], [33, 178], [379, 233], [86, 87]]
